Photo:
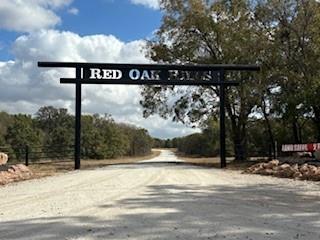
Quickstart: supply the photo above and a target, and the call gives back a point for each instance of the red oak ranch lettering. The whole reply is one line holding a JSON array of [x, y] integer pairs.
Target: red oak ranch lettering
[[97, 73], [134, 74]]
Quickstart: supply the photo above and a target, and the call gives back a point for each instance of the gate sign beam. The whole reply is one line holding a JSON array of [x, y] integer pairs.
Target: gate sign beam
[[149, 74]]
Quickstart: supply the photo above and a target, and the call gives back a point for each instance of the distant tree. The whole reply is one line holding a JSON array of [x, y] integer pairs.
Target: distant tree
[[292, 62], [116, 143], [140, 142], [5, 121], [58, 126], [205, 143], [192, 144], [168, 143], [174, 142], [22, 133], [158, 143], [91, 137], [207, 32]]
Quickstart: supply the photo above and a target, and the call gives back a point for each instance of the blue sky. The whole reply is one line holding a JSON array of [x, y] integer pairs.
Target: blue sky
[[111, 31], [120, 18]]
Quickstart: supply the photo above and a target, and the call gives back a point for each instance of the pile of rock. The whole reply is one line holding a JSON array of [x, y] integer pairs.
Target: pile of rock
[[274, 168], [12, 173]]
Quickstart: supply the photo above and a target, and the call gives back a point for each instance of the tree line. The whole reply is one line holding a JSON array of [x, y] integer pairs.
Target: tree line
[[206, 143], [50, 133], [279, 104]]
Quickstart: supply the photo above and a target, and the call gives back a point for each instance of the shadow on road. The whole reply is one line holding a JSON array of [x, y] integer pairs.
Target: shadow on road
[[187, 212]]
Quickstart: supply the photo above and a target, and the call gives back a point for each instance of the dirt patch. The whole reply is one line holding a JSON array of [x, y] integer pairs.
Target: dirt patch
[[214, 162], [197, 160]]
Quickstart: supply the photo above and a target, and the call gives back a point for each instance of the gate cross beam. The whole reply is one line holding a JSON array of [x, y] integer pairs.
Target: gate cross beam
[[149, 74]]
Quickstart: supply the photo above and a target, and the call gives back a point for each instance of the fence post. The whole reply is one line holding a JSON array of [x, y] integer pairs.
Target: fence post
[[27, 155], [270, 153]]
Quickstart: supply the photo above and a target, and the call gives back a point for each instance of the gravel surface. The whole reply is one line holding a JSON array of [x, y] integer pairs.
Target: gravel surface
[[160, 201]]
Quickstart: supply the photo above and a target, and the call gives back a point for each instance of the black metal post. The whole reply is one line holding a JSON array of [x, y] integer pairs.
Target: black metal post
[[77, 157], [270, 152], [27, 156], [223, 162]]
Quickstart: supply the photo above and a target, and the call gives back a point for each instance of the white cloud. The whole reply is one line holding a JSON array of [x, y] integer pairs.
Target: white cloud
[[154, 4], [52, 3], [25, 87], [73, 11], [30, 15]]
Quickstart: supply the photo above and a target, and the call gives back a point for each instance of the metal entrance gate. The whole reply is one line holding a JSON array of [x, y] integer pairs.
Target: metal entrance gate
[[149, 74]]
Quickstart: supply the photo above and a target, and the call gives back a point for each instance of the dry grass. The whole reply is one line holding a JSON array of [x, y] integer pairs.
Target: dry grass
[[214, 162], [58, 167]]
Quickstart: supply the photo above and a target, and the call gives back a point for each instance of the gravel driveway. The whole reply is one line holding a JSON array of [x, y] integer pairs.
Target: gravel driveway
[[160, 201]]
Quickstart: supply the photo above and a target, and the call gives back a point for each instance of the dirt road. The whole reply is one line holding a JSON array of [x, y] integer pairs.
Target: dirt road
[[160, 201]]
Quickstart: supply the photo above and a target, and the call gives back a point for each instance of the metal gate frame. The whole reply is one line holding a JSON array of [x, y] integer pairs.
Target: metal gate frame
[[152, 74]]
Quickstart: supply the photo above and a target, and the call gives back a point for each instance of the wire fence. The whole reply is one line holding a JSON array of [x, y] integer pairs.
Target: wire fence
[[59, 153], [38, 154]]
